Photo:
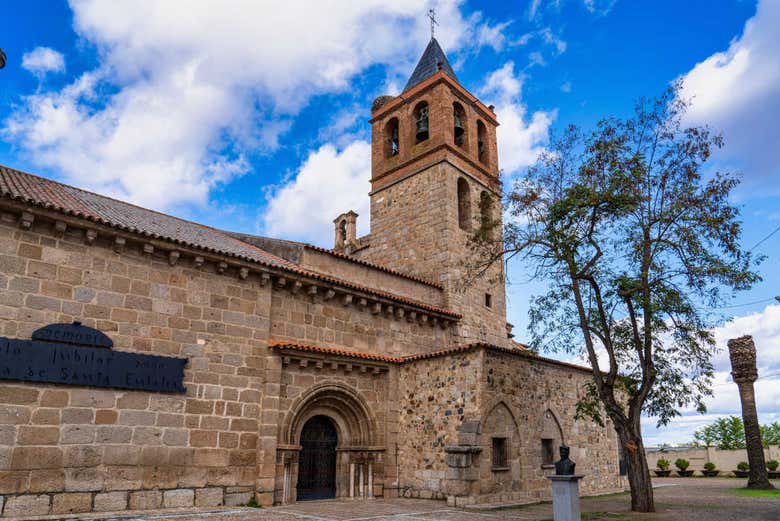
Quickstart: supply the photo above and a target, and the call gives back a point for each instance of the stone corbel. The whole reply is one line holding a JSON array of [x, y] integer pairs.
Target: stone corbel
[[198, 261], [60, 228], [243, 273], [90, 236], [26, 220], [222, 266], [119, 244], [173, 257]]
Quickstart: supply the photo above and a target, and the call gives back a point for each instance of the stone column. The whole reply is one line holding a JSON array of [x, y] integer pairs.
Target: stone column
[[370, 480], [352, 480], [360, 482], [566, 497], [742, 352]]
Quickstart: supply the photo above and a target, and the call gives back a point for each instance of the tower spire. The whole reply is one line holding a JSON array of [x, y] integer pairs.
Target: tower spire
[[432, 16]]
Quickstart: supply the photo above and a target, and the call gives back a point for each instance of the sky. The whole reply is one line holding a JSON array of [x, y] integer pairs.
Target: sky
[[253, 116]]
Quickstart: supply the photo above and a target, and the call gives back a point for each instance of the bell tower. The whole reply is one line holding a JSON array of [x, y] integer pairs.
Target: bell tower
[[434, 181]]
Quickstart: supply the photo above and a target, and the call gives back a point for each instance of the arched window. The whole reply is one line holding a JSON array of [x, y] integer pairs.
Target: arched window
[[485, 210], [421, 121], [482, 152], [343, 230], [459, 124], [391, 138], [464, 204]]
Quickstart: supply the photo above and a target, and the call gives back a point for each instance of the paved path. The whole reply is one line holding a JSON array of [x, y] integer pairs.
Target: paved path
[[691, 499]]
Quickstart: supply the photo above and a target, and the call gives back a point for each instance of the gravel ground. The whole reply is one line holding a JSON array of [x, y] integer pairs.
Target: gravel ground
[[677, 499]]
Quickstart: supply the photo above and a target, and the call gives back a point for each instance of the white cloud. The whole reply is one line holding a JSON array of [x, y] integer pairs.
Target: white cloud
[[43, 60], [739, 89], [520, 138], [764, 326], [599, 7], [328, 183], [183, 94]]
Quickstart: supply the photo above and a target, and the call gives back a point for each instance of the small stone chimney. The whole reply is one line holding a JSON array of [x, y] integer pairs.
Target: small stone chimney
[[346, 232]]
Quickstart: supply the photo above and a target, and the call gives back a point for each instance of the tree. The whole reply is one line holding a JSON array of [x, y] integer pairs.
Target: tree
[[729, 433], [632, 241], [724, 433], [770, 433]]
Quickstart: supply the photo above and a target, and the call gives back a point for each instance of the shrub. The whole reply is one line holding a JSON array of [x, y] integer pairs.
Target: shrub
[[663, 464], [682, 464], [709, 466], [772, 465], [743, 466]]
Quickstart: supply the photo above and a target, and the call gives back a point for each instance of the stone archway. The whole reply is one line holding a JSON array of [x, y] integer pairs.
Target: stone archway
[[354, 428]]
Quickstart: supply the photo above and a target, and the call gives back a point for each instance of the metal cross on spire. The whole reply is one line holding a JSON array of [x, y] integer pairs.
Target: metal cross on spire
[[432, 16]]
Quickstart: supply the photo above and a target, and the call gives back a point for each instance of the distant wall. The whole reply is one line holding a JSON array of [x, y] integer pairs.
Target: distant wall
[[724, 460]]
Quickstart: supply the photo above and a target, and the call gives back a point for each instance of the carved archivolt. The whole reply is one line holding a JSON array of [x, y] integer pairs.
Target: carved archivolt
[[350, 413]]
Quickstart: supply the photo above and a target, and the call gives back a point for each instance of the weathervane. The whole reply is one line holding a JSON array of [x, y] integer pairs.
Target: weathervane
[[432, 16]]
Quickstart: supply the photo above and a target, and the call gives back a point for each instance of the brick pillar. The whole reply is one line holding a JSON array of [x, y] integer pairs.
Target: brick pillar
[[742, 352]]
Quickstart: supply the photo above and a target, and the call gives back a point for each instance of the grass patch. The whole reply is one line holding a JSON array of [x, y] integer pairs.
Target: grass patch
[[749, 492], [253, 504]]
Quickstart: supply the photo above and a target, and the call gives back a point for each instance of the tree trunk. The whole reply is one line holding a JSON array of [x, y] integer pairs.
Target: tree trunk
[[638, 472], [758, 477]]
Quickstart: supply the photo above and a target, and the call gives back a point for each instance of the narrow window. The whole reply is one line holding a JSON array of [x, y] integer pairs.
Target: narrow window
[[464, 205], [485, 210], [421, 118], [489, 300], [391, 138], [499, 453], [459, 124], [548, 451], [482, 142]]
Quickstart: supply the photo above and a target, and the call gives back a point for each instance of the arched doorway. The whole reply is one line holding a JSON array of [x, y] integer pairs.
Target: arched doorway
[[317, 461]]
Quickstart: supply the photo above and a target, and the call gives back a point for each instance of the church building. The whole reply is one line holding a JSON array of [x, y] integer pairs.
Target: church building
[[151, 362]]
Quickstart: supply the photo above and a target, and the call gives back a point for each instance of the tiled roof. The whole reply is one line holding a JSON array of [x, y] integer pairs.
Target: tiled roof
[[429, 65], [465, 348], [44, 193], [349, 353], [373, 265], [334, 351]]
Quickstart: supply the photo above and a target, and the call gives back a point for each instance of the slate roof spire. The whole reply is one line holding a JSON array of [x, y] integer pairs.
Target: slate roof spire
[[431, 61]]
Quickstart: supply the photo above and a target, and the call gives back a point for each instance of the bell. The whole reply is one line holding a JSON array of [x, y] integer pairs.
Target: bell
[[422, 128], [422, 125], [394, 142], [458, 127]]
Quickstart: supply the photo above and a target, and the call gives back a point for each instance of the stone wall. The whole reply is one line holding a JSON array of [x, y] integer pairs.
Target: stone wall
[[530, 389], [436, 395], [724, 460], [71, 449], [371, 277], [453, 406], [414, 229], [307, 318]]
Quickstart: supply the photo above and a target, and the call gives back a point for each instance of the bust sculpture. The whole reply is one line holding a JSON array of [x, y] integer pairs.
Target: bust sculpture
[[564, 467]]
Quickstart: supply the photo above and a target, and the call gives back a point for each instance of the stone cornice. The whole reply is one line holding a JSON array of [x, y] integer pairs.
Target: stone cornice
[[299, 279]]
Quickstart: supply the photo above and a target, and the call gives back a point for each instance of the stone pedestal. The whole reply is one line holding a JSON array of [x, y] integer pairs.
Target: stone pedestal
[[566, 497]]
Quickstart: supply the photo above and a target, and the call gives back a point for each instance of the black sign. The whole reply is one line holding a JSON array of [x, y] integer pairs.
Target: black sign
[[64, 362]]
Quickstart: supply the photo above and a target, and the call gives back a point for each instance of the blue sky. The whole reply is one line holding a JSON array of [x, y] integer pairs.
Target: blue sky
[[253, 117]]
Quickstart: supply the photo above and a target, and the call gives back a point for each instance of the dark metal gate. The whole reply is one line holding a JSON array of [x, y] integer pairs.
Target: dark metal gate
[[317, 462]]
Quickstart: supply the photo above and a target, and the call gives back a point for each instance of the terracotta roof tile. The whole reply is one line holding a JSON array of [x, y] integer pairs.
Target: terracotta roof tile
[[310, 348], [337, 351], [45, 193], [372, 265]]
